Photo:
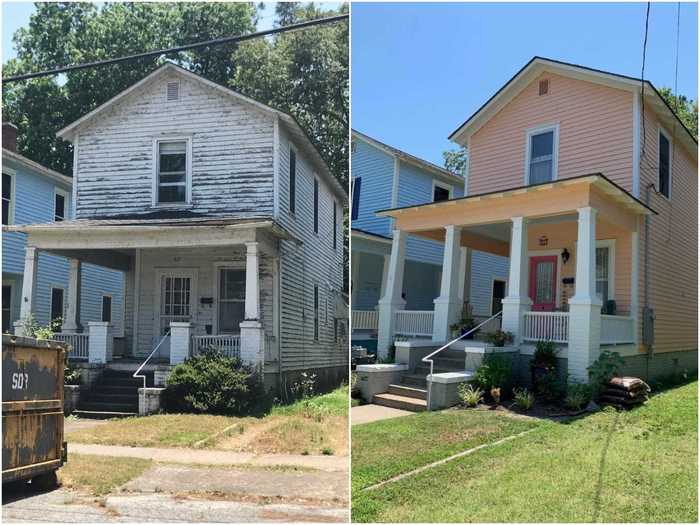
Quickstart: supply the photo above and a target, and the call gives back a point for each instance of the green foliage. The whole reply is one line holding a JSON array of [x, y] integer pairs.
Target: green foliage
[[470, 395], [213, 383], [685, 108], [578, 395], [33, 329], [603, 369], [455, 160], [305, 387], [545, 353], [523, 398], [499, 338], [71, 376], [494, 372]]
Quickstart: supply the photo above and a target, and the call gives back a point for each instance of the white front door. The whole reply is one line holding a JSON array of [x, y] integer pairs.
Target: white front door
[[176, 302]]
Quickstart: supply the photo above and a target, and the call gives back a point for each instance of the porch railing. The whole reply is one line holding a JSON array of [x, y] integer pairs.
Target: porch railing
[[414, 323], [365, 320], [78, 344], [546, 326], [270, 349], [616, 329], [229, 344]]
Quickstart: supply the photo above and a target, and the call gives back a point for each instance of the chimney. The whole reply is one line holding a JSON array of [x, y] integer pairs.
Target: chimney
[[9, 136]]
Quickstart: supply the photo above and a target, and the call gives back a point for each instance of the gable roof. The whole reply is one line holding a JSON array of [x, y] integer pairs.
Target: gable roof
[[538, 65], [296, 131], [36, 167], [407, 157]]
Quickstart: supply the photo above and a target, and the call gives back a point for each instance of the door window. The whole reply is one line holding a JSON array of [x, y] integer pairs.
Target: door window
[[543, 282], [175, 301], [231, 299]]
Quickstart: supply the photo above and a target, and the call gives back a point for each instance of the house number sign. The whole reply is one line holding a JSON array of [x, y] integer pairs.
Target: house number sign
[[544, 241]]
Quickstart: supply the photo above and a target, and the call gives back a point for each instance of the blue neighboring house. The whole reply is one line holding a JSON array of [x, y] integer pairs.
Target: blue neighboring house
[[386, 177], [32, 193]]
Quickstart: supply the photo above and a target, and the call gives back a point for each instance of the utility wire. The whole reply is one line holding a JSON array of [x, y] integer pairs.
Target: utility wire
[[644, 58], [167, 51]]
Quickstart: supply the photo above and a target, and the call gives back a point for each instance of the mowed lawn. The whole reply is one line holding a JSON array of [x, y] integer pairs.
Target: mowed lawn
[[636, 466]]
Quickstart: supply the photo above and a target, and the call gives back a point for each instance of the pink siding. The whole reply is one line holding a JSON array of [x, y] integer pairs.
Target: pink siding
[[595, 134]]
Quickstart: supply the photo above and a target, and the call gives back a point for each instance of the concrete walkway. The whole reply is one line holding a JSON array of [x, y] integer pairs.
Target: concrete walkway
[[214, 457], [369, 413]]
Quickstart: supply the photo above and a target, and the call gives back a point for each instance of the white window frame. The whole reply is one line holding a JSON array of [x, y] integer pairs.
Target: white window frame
[[11, 211], [188, 168], [218, 266], [111, 307], [610, 245], [444, 186], [663, 132], [66, 204], [555, 149]]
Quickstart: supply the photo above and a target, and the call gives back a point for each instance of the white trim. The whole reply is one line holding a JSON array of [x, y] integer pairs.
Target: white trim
[[218, 266], [138, 256], [466, 171], [610, 244], [634, 288], [547, 253], [276, 167], [395, 179], [662, 131], [156, 166], [66, 204], [555, 149], [438, 184], [505, 291], [636, 139], [35, 166], [11, 210], [160, 272], [111, 308]]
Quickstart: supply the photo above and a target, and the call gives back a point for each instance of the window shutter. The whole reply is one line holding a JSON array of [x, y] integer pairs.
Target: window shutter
[[173, 91], [356, 188]]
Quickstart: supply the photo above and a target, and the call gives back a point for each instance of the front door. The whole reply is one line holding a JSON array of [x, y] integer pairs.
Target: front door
[[543, 282], [176, 303]]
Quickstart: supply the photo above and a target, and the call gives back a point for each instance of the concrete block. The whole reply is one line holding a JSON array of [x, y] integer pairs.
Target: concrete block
[[150, 400], [375, 379]]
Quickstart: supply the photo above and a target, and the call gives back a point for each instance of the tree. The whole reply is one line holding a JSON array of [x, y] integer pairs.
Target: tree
[[456, 160], [685, 108]]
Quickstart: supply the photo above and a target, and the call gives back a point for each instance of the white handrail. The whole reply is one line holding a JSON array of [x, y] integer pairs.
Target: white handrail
[[429, 358], [136, 374]]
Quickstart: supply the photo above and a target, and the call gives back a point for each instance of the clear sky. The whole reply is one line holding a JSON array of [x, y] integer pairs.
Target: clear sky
[[419, 70]]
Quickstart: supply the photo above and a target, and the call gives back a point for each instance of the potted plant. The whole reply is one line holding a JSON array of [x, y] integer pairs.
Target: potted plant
[[543, 367], [455, 330], [499, 338]]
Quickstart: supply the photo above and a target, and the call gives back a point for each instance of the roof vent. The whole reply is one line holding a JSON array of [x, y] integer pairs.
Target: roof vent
[[544, 86], [173, 91]]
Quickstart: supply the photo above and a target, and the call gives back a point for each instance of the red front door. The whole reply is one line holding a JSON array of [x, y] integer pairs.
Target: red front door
[[543, 282]]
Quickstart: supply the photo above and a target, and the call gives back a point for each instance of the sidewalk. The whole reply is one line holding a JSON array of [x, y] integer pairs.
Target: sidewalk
[[370, 413]]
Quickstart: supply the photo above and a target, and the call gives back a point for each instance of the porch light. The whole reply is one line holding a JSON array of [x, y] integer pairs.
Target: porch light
[[565, 256]]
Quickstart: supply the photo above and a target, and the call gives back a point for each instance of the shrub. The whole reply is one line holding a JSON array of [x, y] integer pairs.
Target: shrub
[[214, 383], [305, 387], [33, 329], [71, 376], [494, 372], [578, 395], [469, 394], [543, 371], [545, 354], [499, 338], [603, 369], [523, 399]]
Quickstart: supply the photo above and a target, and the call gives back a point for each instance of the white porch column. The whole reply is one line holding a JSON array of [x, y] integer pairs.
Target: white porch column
[[31, 259], [251, 328], [71, 325], [517, 302], [584, 306], [392, 301], [465, 275], [180, 333], [385, 274], [447, 306], [100, 342]]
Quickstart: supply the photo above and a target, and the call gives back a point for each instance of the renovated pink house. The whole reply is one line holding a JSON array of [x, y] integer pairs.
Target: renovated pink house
[[587, 181]]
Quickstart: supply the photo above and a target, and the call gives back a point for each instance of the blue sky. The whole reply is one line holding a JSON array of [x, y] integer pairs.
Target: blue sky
[[419, 70]]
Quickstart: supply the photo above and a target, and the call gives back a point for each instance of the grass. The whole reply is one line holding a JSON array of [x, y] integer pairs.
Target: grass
[[100, 475], [334, 403], [636, 466]]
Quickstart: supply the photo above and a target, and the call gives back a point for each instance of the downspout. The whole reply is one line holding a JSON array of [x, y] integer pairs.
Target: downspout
[[649, 347]]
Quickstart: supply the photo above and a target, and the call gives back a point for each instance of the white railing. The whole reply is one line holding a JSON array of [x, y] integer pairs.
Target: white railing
[[365, 320], [270, 348], [546, 326], [414, 323], [616, 329], [138, 373], [230, 345], [78, 344]]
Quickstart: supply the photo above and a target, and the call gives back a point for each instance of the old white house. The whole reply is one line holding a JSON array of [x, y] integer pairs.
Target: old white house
[[224, 218]]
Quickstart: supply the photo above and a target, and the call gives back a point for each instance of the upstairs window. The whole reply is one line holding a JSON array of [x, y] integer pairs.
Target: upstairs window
[[356, 187], [172, 172], [6, 197], [664, 165], [292, 180], [542, 156], [59, 205], [441, 192], [315, 205]]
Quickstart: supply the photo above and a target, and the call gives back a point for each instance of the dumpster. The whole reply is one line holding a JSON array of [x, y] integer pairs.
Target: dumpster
[[32, 410]]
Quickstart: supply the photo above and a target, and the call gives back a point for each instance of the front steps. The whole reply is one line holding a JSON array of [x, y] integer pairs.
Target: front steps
[[115, 394]]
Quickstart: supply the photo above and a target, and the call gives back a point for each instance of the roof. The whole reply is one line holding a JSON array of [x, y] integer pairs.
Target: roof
[[297, 132], [598, 178], [407, 157], [538, 65], [36, 167], [364, 233]]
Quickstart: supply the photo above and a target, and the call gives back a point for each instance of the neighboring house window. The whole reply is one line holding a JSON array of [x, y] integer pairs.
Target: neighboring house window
[[7, 180], [59, 205], [664, 164], [355, 192], [57, 307], [335, 225], [106, 309], [316, 308], [292, 180], [172, 172], [542, 155], [6, 308], [441, 192], [315, 206]]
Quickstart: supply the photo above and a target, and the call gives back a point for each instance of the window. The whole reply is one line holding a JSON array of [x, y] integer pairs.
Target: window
[[356, 187], [335, 225], [231, 299], [604, 270], [6, 308], [441, 192], [542, 155], [175, 300], [59, 205], [664, 165], [57, 307], [6, 197], [292, 180], [106, 308], [173, 172], [315, 205], [316, 305], [498, 293]]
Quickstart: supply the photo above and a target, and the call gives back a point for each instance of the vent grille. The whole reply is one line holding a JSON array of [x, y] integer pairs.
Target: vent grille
[[544, 87], [173, 91]]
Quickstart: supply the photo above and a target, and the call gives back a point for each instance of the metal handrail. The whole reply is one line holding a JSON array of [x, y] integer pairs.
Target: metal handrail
[[429, 358], [136, 374]]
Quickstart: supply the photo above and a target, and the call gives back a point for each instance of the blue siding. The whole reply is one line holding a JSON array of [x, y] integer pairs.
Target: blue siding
[[377, 171], [369, 281], [485, 268], [34, 203]]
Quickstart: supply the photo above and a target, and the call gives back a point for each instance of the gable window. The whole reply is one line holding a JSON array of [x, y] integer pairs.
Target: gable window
[[59, 205], [7, 181], [106, 309], [335, 225], [292, 180], [356, 187], [173, 171], [664, 164], [57, 307], [542, 145], [316, 308], [315, 205], [441, 192]]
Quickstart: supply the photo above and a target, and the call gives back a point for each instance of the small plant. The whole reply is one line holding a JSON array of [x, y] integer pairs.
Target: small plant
[[523, 398], [494, 372], [545, 353], [499, 338], [33, 329], [71, 376], [470, 395], [603, 369], [467, 322], [578, 395], [306, 387], [327, 451], [543, 370], [496, 394]]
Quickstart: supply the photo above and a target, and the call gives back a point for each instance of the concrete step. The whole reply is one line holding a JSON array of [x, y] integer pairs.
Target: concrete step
[[414, 380], [400, 402], [425, 370], [408, 391], [116, 389], [100, 406], [450, 363], [95, 396], [96, 414]]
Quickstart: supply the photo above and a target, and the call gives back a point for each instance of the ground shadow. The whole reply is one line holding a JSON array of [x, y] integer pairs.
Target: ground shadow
[[19, 490]]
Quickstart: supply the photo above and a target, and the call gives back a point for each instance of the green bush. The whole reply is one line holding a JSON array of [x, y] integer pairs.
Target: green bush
[[469, 394], [494, 372], [578, 395], [523, 399], [603, 369], [71, 376], [499, 338], [545, 354], [213, 383]]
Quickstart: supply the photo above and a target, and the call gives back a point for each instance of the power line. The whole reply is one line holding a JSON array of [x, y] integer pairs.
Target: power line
[[207, 43], [678, 39], [644, 58]]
